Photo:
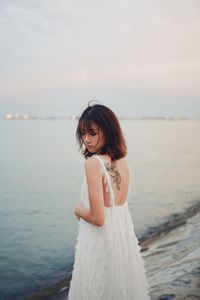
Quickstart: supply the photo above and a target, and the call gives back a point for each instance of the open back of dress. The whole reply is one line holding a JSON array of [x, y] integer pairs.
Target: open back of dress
[[108, 264]]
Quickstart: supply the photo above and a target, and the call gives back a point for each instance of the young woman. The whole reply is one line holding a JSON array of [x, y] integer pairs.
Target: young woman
[[108, 264]]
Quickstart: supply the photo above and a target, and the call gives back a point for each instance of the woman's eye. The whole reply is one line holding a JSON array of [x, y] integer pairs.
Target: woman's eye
[[90, 133]]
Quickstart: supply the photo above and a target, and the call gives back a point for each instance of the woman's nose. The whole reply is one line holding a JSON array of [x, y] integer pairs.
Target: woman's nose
[[87, 138]]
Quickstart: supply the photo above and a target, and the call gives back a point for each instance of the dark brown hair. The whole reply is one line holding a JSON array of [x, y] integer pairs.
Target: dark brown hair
[[108, 122]]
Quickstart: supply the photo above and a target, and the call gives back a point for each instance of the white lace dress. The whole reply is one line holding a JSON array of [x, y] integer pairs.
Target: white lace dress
[[108, 264]]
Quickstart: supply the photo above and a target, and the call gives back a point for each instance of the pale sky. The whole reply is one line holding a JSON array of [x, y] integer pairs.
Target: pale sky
[[138, 57]]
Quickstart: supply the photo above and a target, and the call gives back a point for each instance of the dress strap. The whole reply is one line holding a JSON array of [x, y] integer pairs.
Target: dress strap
[[108, 181]]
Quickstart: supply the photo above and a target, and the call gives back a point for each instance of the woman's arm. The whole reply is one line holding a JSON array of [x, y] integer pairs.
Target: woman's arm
[[84, 213], [95, 214]]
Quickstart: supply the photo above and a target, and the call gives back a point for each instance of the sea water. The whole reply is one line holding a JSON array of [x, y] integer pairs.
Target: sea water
[[41, 171]]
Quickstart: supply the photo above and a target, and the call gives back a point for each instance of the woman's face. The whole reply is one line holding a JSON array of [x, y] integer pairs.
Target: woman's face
[[94, 139]]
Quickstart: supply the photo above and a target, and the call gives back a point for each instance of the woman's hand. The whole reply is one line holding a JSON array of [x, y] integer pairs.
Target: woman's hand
[[77, 209]]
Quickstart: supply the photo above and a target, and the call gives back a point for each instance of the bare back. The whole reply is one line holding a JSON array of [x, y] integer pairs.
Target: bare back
[[119, 177]]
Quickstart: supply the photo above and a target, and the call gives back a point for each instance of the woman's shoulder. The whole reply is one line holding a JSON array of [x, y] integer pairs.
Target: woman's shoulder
[[93, 166], [94, 160], [91, 161]]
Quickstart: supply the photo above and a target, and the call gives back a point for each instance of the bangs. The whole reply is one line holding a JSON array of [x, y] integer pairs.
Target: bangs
[[86, 125]]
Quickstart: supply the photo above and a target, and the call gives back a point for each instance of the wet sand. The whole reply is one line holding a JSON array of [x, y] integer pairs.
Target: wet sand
[[173, 262], [172, 258]]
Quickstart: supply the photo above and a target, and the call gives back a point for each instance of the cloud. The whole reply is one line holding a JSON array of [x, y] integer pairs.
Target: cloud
[[151, 47]]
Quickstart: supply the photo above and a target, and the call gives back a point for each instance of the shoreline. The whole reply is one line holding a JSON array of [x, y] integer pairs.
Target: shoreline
[[174, 220], [154, 235]]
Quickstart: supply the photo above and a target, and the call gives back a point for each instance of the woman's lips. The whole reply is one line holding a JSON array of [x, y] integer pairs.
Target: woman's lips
[[90, 148]]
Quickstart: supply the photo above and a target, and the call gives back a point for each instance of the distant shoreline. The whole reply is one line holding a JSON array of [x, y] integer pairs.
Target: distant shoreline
[[26, 117]]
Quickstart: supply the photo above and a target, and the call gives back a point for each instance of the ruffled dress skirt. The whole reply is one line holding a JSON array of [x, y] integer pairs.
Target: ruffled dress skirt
[[108, 264]]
